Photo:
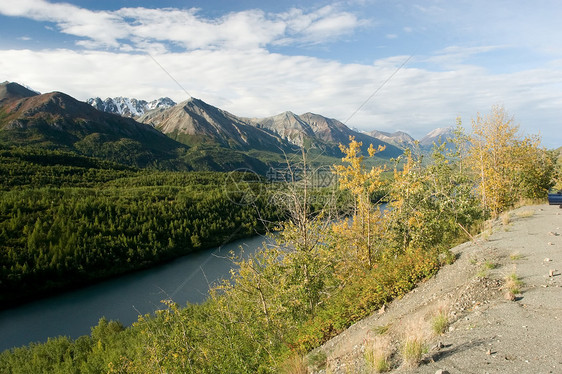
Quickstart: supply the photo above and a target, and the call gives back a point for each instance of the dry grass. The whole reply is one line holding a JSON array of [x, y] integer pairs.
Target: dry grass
[[487, 230], [378, 354], [414, 343], [295, 364], [440, 319], [525, 213], [485, 269], [380, 330], [505, 218]]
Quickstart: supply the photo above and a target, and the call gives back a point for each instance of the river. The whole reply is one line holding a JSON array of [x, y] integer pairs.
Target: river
[[73, 313]]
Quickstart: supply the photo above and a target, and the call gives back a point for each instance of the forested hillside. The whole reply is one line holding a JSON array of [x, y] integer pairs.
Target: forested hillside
[[68, 220]]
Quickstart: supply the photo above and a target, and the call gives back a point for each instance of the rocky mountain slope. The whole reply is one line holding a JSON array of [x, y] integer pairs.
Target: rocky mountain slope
[[56, 120], [12, 91], [194, 122], [434, 136], [127, 107]]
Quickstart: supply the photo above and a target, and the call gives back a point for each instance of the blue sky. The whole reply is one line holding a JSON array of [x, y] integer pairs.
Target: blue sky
[[259, 58]]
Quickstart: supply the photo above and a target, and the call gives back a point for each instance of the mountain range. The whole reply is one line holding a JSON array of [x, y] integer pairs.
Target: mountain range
[[191, 135], [296, 129]]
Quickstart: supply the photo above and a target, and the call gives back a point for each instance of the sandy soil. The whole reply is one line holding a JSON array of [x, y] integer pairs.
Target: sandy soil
[[488, 333]]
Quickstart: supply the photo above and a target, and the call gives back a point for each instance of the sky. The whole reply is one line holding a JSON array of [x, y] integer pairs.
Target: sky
[[409, 65]]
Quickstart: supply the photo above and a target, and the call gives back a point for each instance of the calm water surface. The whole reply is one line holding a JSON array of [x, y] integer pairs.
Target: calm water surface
[[73, 313]]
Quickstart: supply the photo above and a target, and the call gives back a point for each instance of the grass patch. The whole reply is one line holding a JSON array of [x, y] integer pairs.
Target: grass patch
[[414, 344], [513, 283], [482, 273], [440, 321], [516, 256], [318, 359], [485, 269], [505, 218], [378, 354], [487, 233], [447, 257], [380, 330], [412, 352]]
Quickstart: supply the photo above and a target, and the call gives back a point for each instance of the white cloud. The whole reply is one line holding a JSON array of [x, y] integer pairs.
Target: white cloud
[[324, 24], [102, 27], [257, 83], [129, 28]]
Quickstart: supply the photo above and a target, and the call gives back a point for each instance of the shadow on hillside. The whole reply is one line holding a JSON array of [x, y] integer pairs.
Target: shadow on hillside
[[444, 353]]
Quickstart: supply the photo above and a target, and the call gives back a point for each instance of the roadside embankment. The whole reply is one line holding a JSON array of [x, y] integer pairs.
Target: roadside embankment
[[500, 301]]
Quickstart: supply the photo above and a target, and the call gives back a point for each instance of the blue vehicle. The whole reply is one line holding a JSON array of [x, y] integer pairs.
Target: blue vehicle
[[555, 198]]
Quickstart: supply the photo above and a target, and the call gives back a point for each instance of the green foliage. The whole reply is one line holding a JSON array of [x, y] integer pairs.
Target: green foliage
[[431, 203], [67, 220]]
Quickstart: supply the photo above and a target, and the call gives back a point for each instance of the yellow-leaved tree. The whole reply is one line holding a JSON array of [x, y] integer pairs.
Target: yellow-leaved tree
[[360, 236], [508, 167]]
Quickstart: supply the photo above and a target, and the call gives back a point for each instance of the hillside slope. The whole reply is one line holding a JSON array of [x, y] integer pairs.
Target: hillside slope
[[488, 333], [58, 121], [195, 122]]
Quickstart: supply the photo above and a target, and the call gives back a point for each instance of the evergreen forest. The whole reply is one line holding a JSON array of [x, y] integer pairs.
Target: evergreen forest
[[68, 220]]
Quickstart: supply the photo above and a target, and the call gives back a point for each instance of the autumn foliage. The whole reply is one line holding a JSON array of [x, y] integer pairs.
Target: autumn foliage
[[507, 166]]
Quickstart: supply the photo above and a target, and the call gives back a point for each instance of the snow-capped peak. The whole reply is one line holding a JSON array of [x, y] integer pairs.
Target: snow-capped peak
[[129, 107]]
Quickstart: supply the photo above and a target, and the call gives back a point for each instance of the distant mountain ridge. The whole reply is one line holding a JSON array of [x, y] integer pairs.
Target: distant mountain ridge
[[192, 135], [195, 121], [432, 137], [399, 138], [127, 107]]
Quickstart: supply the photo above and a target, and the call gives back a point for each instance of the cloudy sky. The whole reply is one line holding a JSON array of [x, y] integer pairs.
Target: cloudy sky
[[411, 65]]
